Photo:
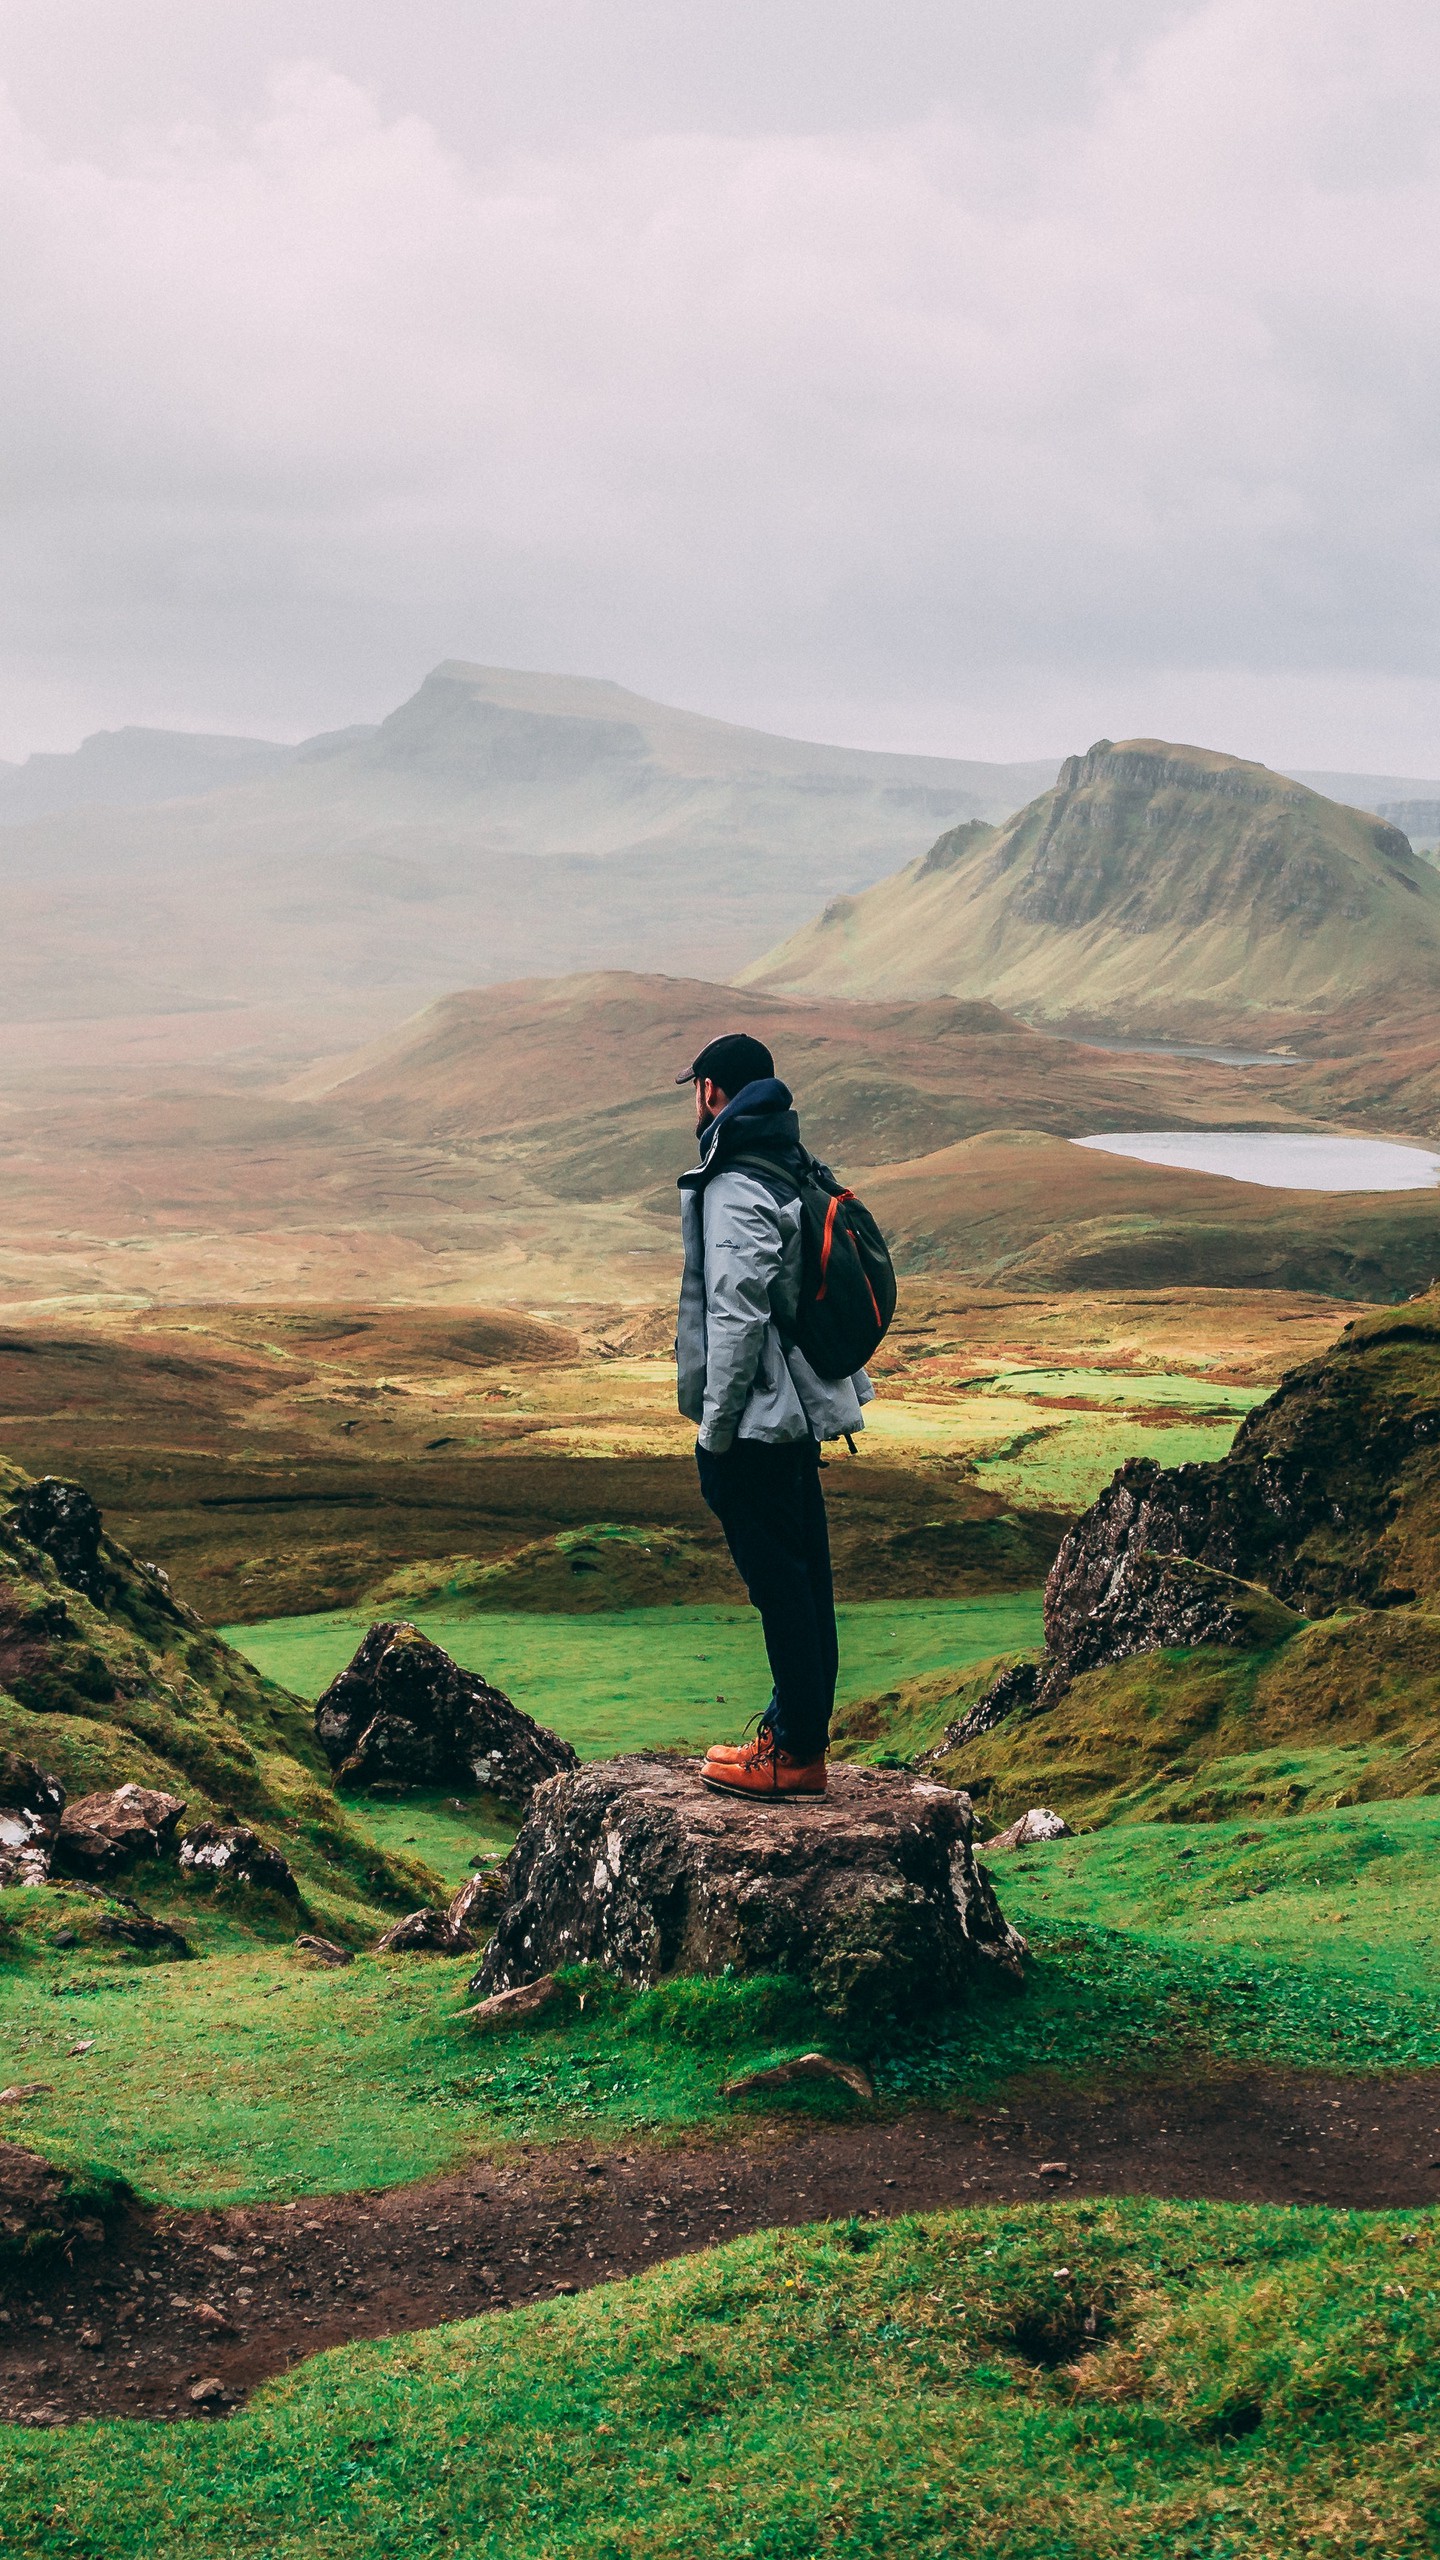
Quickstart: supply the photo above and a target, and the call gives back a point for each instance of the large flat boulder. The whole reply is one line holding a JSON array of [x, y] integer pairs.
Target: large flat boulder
[[403, 1711], [870, 1894]]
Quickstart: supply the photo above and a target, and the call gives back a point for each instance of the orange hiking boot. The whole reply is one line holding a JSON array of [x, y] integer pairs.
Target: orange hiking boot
[[720, 1753], [761, 1769]]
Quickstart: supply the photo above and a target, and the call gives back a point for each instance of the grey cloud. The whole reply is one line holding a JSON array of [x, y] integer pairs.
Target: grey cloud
[[934, 408]]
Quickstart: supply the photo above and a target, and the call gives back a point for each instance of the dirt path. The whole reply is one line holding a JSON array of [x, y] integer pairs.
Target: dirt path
[[178, 2300]]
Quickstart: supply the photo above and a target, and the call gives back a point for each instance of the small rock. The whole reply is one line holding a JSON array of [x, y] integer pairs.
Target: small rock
[[211, 2389], [21, 2090], [527, 2000], [86, 2045], [1054, 2169], [213, 1854], [206, 2314], [324, 1950], [32, 1805], [94, 2339], [420, 1933], [102, 1832], [217, 2249], [807, 2067], [136, 1928], [478, 1902], [1036, 1825]]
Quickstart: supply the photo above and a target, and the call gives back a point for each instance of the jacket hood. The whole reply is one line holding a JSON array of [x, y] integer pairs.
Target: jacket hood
[[759, 1120]]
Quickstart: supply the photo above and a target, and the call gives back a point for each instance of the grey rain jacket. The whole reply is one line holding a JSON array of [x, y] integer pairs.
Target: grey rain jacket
[[742, 1269]]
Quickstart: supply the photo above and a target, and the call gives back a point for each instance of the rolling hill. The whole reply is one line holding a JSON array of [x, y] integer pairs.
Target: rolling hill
[[1156, 889], [521, 1142], [495, 824]]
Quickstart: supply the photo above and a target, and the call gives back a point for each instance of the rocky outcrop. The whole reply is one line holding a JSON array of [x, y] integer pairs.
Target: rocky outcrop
[[1110, 1595], [322, 1950], [1329, 1499], [132, 1927], [420, 1933], [476, 1906], [1016, 1686], [32, 1805], [216, 1854], [102, 1833], [870, 1894], [402, 1710], [64, 1522]]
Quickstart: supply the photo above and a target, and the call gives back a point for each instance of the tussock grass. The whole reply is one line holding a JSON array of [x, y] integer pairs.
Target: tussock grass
[[1124, 2381]]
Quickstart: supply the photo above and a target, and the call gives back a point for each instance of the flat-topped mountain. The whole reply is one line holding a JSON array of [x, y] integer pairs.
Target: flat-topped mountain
[[496, 824], [1155, 888]]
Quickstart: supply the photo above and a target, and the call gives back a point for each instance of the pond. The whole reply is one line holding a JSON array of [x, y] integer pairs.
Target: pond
[[1281, 1159]]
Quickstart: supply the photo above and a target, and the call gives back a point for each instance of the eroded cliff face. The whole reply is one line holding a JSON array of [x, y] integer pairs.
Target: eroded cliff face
[[1153, 885], [1329, 1500]]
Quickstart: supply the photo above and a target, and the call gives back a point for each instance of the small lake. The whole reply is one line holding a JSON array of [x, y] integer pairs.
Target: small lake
[[1281, 1159]]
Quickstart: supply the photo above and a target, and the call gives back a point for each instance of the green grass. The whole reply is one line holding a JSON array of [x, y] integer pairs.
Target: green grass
[[1263, 2383], [638, 1679], [444, 1831], [1135, 1387], [1154, 1949], [1353, 1892], [281, 2081], [1309, 1942], [1063, 1461]]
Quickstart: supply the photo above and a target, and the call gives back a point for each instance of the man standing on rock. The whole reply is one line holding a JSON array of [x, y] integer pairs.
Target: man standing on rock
[[761, 1409]]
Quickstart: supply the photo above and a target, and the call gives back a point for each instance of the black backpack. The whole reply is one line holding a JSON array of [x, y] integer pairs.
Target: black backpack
[[847, 1279]]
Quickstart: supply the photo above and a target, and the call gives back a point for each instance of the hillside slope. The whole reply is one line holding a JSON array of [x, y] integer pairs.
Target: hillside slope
[[496, 823], [1258, 1634], [1155, 888], [105, 1680]]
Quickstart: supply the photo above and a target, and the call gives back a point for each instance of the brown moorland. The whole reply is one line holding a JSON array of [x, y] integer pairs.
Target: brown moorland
[[287, 1458], [521, 1143]]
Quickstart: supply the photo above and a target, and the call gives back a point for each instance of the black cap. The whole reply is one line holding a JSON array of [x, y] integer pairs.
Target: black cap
[[732, 1061]]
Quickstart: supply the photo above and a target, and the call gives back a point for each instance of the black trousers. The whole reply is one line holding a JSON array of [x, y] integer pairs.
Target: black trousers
[[767, 1499]]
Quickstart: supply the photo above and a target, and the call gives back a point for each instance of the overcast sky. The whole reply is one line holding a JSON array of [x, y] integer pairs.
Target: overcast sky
[[917, 373]]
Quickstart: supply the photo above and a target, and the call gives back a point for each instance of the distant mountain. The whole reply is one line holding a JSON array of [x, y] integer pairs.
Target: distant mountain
[[1417, 819], [1372, 791], [497, 824], [130, 768], [1156, 889]]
